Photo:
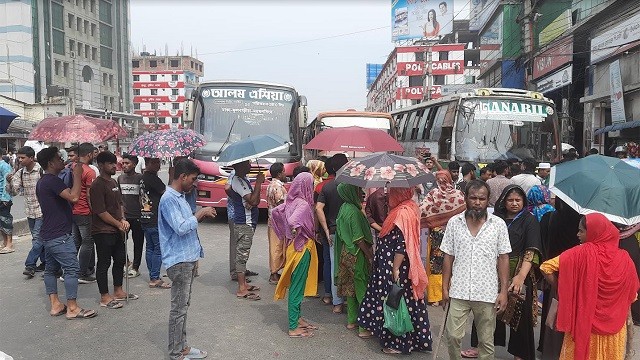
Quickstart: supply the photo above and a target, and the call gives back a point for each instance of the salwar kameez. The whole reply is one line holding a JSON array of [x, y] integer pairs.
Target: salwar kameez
[[434, 265]]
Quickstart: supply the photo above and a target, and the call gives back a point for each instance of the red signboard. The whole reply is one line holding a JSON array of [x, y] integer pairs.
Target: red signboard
[[159, 113], [559, 54], [434, 48], [157, 84], [154, 99], [445, 67], [162, 72], [417, 92]]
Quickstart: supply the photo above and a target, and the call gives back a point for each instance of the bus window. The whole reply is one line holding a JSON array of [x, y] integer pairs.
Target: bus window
[[429, 114], [422, 124], [417, 124], [438, 120], [401, 126], [408, 128]]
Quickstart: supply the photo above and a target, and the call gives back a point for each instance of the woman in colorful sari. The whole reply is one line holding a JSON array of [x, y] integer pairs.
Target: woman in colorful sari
[[594, 325], [440, 204], [316, 167], [293, 221], [397, 260], [353, 253]]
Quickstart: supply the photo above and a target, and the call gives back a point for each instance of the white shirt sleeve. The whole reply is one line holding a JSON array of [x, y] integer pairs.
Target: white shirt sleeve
[[504, 245], [447, 246], [240, 186]]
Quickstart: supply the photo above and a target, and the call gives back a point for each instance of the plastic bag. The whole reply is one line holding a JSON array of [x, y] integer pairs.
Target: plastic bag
[[397, 321]]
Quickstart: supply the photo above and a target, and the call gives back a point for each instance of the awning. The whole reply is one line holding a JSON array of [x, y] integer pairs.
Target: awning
[[6, 117], [618, 126]]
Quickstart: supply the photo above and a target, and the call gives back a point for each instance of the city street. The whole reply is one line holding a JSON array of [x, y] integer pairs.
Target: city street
[[218, 322]]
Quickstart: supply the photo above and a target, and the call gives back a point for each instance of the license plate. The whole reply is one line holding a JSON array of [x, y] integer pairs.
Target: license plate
[[202, 193]]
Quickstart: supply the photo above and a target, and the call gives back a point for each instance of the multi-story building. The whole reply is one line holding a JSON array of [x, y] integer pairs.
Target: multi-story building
[[160, 86], [77, 49]]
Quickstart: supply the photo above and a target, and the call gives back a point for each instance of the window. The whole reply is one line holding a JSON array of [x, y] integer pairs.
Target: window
[[175, 106], [65, 69], [84, 4], [153, 63], [173, 63], [436, 128], [443, 55], [72, 45], [415, 81], [438, 79], [79, 24], [71, 20], [57, 16], [58, 41], [192, 64], [86, 27], [154, 77], [162, 120], [175, 91], [136, 77], [106, 101], [408, 132], [136, 106], [105, 12], [106, 59], [419, 56], [94, 53], [136, 91], [174, 77], [57, 67], [111, 81], [80, 49], [104, 79], [135, 63], [87, 51], [111, 102], [419, 123], [154, 91], [154, 106], [93, 30], [175, 120], [93, 6], [106, 37]]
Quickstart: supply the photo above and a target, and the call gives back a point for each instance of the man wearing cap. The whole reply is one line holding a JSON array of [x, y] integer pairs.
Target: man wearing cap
[[544, 169]]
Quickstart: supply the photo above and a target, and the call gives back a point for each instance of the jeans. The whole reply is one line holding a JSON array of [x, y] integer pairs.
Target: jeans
[[181, 275], [109, 246], [153, 254], [60, 253], [327, 276], [37, 247], [84, 243], [137, 234], [337, 300]]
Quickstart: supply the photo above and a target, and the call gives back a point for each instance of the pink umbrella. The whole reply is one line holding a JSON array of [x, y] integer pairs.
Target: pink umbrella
[[354, 138], [77, 129]]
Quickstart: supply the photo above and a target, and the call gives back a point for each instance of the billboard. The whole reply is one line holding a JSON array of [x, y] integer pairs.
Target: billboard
[[372, 73], [617, 39], [417, 19], [481, 11], [559, 54], [491, 44]]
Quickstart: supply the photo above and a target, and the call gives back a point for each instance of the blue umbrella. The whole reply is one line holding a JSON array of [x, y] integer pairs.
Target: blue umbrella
[[6, 117], [252, 147]]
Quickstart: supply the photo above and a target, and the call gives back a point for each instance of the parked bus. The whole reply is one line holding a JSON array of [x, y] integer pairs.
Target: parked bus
[[481, 125], [227, 111], [338, 119]]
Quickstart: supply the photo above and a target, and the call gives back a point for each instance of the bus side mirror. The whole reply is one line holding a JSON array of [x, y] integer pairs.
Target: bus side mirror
[[189, 109], [302, 112]]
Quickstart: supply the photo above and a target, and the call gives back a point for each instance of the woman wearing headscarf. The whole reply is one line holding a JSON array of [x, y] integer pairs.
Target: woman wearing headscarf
[[353, 253], [397, 260], [293, 221], [440, 205], [316, 167], [538, 199], [597, 283]]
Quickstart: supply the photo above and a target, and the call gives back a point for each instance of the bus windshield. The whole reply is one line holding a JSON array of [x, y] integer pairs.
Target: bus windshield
[[239, 111], [491, 129], [382, 123]]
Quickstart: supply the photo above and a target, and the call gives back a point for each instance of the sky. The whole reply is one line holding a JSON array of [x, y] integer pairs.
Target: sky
[[319, 47]]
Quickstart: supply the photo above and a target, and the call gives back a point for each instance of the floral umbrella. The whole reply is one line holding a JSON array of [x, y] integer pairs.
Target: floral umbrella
[[77, 129], [166, 143], [382, 169]]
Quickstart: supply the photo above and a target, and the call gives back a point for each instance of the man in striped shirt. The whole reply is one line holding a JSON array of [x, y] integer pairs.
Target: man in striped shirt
[[181, 249]]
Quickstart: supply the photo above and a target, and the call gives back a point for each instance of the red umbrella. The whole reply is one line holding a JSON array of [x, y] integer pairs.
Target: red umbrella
[[354, 138], [77, 128]]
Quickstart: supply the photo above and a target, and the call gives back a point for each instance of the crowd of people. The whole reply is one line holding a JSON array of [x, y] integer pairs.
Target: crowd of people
[[494, 242]]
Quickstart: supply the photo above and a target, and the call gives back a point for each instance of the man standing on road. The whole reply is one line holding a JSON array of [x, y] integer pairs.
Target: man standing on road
[[151, 190], [129, 183], [245, 200], [499, 182], [82, 216], [57, 220], [181, 250], [476, 261], [527, 179], [108, 225], [6, 219], [25, 180]]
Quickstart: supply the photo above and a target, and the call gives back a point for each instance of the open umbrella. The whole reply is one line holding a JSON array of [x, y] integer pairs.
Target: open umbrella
[[382, 169], [77, 129], [599, 184], [166, 143], [6, 117], [354, 138], [252, 147]]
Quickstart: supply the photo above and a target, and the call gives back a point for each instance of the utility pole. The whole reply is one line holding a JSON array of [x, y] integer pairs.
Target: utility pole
[[73, 71]]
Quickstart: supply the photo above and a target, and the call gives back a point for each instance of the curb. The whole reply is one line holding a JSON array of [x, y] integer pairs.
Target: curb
[[21, 227]]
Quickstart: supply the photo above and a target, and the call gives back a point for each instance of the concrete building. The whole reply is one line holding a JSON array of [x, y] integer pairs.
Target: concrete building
[[161, 84], [77, 49]]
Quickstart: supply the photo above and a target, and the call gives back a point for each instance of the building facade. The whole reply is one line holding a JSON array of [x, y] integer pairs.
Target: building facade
[[161, 84], [78, 49]]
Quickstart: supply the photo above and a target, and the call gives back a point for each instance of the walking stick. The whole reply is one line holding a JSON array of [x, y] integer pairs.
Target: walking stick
[[126, 274], [444, 324]]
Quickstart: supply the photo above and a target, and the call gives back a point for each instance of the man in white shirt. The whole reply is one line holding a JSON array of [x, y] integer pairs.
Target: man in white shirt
[[527, 179], [476, 246]]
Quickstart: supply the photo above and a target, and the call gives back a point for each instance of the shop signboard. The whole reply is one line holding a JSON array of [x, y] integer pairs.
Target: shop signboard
[[616, 40], [617, 93], [555, 57], [556, 80]]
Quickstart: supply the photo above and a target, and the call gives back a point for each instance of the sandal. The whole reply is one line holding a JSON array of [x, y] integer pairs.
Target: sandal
[[301, 335], [83, 314], [365, 335], [304, 324], [129, 296], [6, 250], [469, 353], [326, 300], [61, 312], [337, 309], [391, 351], [113, 304], [160, 285], [253, 288], [250, 273], [249, 296], [195, 354]]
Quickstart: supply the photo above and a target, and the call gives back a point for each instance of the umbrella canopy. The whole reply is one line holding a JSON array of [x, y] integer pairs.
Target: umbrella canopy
[[77, 129], [354, 138], [599, 184], [6, 117], [635, 162], [382, 169], [166, 143], [252, 147]]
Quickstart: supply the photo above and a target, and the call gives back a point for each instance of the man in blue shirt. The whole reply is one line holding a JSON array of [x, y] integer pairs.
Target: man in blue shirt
[[6, 219], [181, 249]]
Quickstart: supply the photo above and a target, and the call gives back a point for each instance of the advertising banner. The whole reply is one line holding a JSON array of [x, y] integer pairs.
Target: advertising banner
[[555, 80], [491, 44], [416, 19], [481, 11], [617, 93], [558, 26], [553, 58], [154, 99], [620, 38], [158, 84], [417, 92], [444, 67]]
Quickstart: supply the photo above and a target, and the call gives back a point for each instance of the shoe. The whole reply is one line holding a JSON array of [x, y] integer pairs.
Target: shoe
[[86, 279], [30, 272], [40, 268], [133, 273]]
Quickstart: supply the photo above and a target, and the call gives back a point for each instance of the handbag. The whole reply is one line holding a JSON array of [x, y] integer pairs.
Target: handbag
[[398, 321], [512, 315], [552, 314], [395, 295]]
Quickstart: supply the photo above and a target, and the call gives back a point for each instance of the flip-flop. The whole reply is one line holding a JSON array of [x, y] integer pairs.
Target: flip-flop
[[326, 300], [253, 288], [61, 312], [469, 354], [391, 351], [7, 250], [160, 285], [365, 335], [249, 296], [309, 325], [113, 304], [130, 296], [83, 314], [196, 354], [250, 273], [302, 335]]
